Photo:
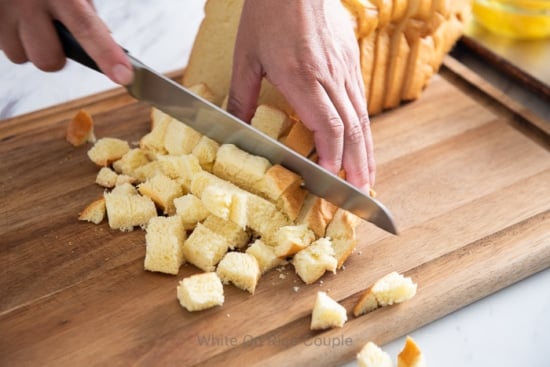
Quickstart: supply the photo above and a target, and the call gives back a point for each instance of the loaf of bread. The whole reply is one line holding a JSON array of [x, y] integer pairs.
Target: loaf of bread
[[327, 313], [371, 355], [402, 44]]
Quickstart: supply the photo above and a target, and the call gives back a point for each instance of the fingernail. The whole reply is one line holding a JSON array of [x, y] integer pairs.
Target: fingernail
[[122, 74]]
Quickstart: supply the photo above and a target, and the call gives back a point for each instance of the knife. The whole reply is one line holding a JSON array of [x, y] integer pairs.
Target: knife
[[173, 99]]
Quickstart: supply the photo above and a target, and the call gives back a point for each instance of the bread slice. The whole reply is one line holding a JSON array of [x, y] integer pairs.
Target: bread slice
[[94, 212], [327, 313], [398, 62], [312, 262], [380, 66], [191, 210], [205, 151], [107, 150], [200, 291], [240, 269], [164, 239], [237, 237], [390, 289], [179, 138], [265, 255], [372, 355], [410, 355], [80, 129], [204, 248], [162, 190], [288, 240], [271, 121], [127, 209]]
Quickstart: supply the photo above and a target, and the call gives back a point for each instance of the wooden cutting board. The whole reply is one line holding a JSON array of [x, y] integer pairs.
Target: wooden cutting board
[[465, 172]]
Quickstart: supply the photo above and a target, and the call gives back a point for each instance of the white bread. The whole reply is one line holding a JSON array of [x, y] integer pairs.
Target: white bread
[[312, 262], [204, 248], [201, 180], [300, 139], [235, 235], [162, 190], [202, 90], [227, 204], [200, 291], [316, 213], [80, 129], [131, 160], [239, 167], [164, 239], [342, 231], [147, 171], [127, 209], [264, 218], [271, 121], [179, 138], [265, 255], [94, 212], [191, 210], [205, 151], [107, 150], [240, 269], [106, 177], [153, 142], [182, 168], [372, 355], [391, 289], [410, 355], [288, 240], [327, 313]]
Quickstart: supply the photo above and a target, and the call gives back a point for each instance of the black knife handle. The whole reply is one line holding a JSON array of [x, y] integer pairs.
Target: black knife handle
[[72, 48]]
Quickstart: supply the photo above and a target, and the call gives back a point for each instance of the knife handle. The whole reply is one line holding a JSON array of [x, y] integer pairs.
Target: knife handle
[[72, 47]]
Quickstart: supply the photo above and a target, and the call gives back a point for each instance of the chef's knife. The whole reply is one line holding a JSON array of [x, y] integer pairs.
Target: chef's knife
[[173, 99]]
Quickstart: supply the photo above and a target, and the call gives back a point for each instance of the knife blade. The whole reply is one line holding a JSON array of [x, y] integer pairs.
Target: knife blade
[[175, 100]]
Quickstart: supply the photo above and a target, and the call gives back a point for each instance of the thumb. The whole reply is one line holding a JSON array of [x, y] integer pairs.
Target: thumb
[[246, 80]]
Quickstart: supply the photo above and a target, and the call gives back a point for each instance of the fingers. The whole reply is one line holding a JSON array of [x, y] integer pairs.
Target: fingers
[[41, 44], [245, 84], [95, 38]]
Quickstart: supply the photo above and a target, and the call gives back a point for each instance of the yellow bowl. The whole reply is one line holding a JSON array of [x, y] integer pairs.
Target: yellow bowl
[[520, 19]]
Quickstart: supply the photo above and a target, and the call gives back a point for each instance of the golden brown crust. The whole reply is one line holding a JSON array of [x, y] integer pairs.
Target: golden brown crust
[[80, 129]]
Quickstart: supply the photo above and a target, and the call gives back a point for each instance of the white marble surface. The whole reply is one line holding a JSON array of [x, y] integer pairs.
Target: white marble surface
[[508, 329]]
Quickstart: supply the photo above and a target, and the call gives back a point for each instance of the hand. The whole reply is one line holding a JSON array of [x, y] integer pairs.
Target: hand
[[308, 51], [27, 34]]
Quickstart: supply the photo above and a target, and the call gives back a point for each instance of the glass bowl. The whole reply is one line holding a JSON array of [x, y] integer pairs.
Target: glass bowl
[[519, 19]]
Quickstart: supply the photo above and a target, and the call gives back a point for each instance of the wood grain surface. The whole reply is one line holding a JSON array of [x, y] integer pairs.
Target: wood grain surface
[[465, 176]]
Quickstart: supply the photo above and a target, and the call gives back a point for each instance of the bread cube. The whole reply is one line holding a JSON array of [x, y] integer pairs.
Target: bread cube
[[410, 355], [191, 210], [271, 121], [342, 231], [236, 236], [300, 139], [80, 129], [388, 290], [327, 313], [148, 171], [291, 239], [106, 177], [181, 168], [127, 209], [265, 255], [316, 213], [162, 190], [203, 91], [264, 218], [313, 261], [107, 150], [200, 291], [204, 248], [94, 212], [226, 204], [241, 269], [164, 239], [372, 356], [131, 160], [205, 151], [179, 138], [153, 142]]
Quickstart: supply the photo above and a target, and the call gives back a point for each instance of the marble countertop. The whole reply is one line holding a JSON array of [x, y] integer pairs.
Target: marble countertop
[[508, 328]]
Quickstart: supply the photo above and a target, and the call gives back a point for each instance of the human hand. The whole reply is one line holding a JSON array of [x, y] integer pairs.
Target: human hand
[[27, 33], [308, 51]]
